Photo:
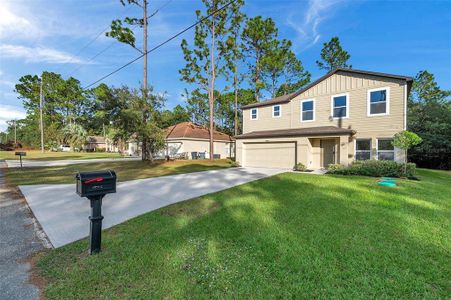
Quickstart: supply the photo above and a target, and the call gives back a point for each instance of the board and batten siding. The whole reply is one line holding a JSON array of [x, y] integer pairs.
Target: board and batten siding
[[357, 87]]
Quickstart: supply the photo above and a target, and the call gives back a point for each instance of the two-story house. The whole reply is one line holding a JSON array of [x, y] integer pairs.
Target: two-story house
[[343, 116]]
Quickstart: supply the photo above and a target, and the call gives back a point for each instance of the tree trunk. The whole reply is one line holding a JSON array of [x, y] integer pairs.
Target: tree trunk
[[212, 88], [235, 83], [257, 75], [144, 148]]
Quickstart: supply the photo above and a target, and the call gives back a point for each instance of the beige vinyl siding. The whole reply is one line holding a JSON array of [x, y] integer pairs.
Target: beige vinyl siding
[[357, 87]]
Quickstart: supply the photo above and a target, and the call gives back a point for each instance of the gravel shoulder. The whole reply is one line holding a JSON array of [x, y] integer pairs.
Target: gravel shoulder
[[20, 239]]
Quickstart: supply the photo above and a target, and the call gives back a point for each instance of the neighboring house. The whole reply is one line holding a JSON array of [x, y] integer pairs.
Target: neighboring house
[[186, 137], [343, 116], [93, 143]]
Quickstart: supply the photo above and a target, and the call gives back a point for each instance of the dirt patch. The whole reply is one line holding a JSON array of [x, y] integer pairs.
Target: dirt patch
[[34, 276]]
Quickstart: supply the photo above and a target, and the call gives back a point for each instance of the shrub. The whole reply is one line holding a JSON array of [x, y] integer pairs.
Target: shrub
[[335, 168], [375, 168], [100, 150], [300, 167], [234, 164]]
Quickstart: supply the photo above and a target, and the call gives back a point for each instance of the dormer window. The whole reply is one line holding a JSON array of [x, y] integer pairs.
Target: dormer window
[[276, 111], [254, 113], [378, 101]]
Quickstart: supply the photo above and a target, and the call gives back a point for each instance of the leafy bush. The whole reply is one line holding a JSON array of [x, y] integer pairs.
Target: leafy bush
[[375, 168], [235, 164], [300, 167], [332, 168], [100, 150]]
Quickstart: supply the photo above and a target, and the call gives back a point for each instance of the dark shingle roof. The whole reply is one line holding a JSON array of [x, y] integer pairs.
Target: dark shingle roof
[[297, 132], [287, 98]]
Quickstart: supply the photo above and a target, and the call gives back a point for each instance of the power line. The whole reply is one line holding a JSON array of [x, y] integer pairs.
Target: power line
[[114, 42], [160, 45]]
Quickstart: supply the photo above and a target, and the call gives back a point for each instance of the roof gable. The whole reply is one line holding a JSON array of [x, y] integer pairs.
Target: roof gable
[[193, 131], [289, 97]]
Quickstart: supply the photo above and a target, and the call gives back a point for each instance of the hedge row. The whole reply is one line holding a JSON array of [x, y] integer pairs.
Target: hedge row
[[375, 168]]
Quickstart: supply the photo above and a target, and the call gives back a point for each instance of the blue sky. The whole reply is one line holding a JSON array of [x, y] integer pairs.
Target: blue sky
[[400, 37]]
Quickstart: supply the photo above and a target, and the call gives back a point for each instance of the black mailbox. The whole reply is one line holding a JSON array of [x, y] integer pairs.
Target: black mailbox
[[96, 183], [21, 153]]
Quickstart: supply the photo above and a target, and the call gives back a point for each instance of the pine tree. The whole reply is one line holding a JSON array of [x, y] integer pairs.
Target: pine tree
[[333, 56]]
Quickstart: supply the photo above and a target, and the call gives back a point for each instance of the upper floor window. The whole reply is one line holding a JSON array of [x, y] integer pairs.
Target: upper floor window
[[378, 101], [363, 149], [385, 149], [254, 113], [340, 106], [307, 111], [276, 111]]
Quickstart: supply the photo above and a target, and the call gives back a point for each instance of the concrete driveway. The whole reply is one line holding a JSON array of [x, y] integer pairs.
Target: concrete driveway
[[66, 162], [64, 215]]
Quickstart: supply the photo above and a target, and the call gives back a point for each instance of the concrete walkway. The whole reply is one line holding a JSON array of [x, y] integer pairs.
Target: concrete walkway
[[20, 237], [64, 215], [56, 163]]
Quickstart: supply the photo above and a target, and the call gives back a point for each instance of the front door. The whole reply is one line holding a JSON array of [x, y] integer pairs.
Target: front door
[[328, 152]]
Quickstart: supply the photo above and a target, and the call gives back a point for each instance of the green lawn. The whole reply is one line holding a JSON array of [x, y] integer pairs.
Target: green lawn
[[289, 236], [38, 155], [125, 170]]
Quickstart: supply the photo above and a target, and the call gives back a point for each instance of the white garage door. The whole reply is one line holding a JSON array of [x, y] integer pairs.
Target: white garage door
[[269, 155]]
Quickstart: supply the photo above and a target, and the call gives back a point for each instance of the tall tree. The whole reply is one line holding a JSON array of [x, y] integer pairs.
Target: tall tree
[[172, 117], [232, 52], [429, 116], [203, 60], [125, 34], [333, 56], [257, 37], [294, 76]]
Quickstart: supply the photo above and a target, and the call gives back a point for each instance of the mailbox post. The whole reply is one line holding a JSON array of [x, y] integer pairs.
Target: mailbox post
[[94, 186], [20, 154]]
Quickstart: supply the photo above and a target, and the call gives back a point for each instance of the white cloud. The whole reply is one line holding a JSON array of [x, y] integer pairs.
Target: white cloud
[[12, 24], [307, 26], [39, 54], [8, 113]]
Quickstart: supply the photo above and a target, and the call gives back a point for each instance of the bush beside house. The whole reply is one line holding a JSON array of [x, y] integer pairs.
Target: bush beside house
[[375, 168]]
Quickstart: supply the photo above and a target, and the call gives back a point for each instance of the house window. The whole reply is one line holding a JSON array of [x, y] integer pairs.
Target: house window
[[385, 149], [340, 106], [307, 111], [363, 149], [254, 114], [276, 111], [378, 101]]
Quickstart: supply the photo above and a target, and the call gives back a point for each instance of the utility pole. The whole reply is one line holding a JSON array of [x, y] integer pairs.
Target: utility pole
[[15, 133], [144, 142], [41, 106]]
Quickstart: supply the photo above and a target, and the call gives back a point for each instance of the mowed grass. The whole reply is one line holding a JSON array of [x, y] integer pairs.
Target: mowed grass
[[125, 170], [38, 155], [289, 236]]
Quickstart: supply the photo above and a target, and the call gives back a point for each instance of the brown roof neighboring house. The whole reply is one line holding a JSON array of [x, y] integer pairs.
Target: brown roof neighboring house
[[95, 139], [193, 131], [287, 98], [299, 132]]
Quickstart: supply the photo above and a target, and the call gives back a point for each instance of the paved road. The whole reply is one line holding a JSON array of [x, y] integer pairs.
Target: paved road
[[64, 215], [19, 238], [55, 163]]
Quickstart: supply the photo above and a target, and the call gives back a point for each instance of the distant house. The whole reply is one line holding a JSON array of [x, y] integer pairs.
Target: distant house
[[189, 140], [99, 143]]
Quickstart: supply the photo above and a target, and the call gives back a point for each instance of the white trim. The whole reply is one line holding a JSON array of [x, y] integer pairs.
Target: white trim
[[332, 106], [405, 106], [377, 148], [250, 117], [387, 102], [280, 111], [314, 113], [371, 147]]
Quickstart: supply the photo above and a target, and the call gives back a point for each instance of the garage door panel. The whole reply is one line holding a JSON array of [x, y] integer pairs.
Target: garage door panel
[[270, 155]]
